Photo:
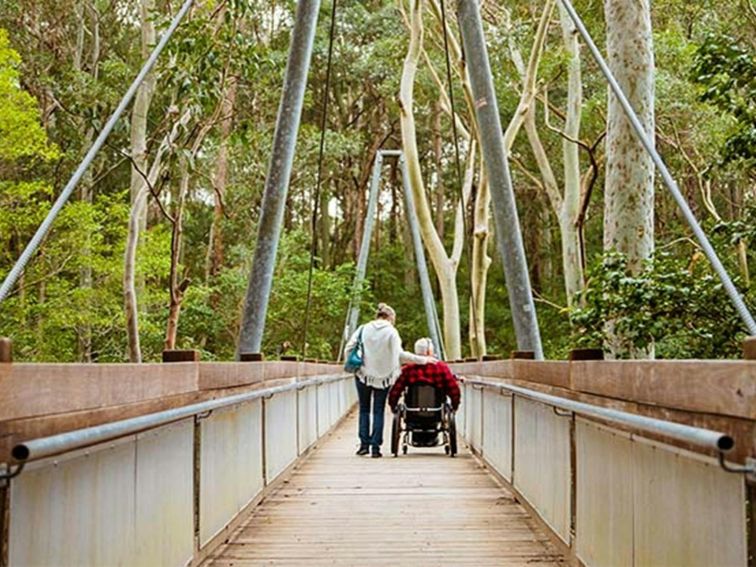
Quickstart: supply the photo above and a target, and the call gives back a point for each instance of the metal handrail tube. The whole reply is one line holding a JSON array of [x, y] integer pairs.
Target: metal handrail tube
[[81, 438], [705, 438], [44, 228]]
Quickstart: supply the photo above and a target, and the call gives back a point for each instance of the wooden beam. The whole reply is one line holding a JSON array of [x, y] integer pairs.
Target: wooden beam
[[717, 387], [28, 390]]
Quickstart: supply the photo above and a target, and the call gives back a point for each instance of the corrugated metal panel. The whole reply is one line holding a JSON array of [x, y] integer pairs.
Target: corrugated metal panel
[[164, 495], [474, 412], [604, 528], [280, 433], [231, 464], [461, 416], [542, 462], [497, 434], [76, 510], [308, 418], [324, 409], [688, 513]]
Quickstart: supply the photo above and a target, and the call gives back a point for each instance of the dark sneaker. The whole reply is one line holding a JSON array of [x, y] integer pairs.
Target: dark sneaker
[[376, 454], [362, 451]]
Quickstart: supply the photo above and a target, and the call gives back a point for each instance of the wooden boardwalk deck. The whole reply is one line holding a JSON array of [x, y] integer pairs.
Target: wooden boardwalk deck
[[419, 509]]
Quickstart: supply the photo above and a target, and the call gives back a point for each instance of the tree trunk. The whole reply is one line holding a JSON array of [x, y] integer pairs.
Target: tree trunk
[[481, 261], [176, 289], [141, 108], [215, 251], [572, 260], [132, 240], [629, 189], [444, 267]]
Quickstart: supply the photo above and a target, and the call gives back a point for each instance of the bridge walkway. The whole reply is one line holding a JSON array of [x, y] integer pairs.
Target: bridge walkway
[[423, 508]]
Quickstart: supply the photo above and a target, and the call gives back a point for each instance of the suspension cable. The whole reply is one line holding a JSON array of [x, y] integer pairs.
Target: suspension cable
[[460, 187], [648, 145], [319, 179], [44, 228]]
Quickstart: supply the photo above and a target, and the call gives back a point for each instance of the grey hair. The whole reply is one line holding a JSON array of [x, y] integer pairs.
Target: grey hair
[[385, 312], [423, 346]]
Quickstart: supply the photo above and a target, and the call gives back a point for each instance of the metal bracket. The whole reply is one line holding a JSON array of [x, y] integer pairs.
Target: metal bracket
[[561, 413], [203, 415], [6, 473], [506, 393], [749, 469]]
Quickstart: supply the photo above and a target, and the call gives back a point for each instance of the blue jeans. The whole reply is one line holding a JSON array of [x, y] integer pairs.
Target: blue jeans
[[374, 439]]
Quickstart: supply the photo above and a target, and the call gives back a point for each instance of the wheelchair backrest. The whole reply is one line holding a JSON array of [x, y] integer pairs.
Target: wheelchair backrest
[[423, 396]]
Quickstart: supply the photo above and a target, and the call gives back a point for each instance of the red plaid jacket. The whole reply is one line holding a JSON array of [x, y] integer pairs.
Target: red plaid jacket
[[437, 374]]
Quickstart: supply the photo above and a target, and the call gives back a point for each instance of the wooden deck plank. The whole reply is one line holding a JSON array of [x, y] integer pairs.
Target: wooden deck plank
[[419, 509]]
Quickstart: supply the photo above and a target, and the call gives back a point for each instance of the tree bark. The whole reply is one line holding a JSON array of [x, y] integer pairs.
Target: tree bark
[[629, 188], [215, 250], [132, 240], [572, 260], [444, 266]]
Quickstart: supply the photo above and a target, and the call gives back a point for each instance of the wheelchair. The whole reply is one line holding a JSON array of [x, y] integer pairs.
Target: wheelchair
[[423, 419]]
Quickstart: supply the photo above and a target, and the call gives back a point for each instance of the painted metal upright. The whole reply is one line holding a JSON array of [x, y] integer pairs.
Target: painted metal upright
[[508, 234], [277, 180], [422, 266]]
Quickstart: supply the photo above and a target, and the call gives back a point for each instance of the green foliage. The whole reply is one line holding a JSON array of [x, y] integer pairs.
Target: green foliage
[[677, 305], [725, 70], [288, 303], [21, 134]]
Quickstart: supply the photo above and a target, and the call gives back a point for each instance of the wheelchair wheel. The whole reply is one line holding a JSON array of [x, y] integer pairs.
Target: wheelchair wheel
[[396, 432], [452, 435]]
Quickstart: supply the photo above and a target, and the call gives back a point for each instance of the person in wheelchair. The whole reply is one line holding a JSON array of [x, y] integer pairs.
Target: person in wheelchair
[[438, 375]]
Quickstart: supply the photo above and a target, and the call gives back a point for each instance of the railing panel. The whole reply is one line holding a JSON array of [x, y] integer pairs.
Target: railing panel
[[687, 511], [280, 433], [461, 416], [542, 462], [474, 417], [78, 509], [604, 496], [164, 493], [497, 434], [230, 465], [308, 418], [324, 409]]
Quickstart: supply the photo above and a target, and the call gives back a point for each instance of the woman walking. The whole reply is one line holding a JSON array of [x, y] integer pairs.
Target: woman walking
[[382, 363]]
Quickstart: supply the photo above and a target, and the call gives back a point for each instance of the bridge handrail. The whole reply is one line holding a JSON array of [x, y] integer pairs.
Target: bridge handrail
[[80, 438], [705, 438]]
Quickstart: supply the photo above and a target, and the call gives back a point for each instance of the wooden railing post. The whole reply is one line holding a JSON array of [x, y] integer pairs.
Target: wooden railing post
[[6, 349], [749, 348]]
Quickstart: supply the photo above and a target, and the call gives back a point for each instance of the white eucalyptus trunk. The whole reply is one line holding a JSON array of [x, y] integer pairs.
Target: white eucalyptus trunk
[[132, 240], [629, 189], [142, 102], [445, 267], [572, 261]]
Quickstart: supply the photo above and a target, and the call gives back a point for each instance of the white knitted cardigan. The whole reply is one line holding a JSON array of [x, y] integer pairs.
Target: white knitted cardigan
[[383, 355]]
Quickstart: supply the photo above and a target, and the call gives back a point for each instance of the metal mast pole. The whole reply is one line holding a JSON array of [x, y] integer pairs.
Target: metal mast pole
[[277, 181], [422, 266], [508, 235]]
